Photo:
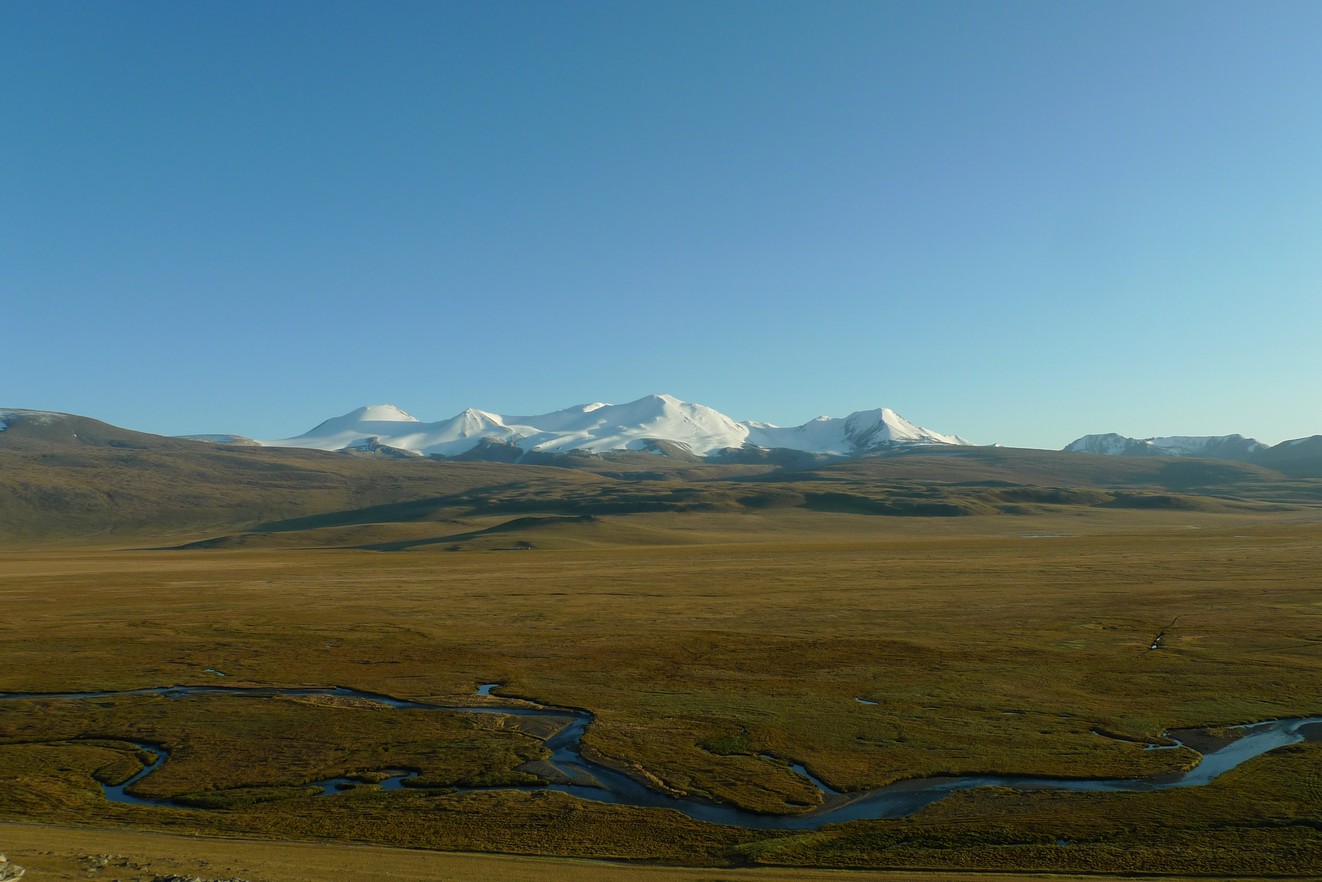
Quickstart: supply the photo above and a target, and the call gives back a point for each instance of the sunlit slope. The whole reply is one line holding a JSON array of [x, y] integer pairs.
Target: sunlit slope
[[77, 478]]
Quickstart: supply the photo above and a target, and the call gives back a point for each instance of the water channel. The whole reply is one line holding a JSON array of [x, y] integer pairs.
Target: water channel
[[600, 783]]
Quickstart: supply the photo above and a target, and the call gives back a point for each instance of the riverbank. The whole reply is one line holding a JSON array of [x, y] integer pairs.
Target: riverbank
[[1225, 748]]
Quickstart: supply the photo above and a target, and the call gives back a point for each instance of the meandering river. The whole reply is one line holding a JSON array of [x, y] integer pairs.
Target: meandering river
[[603, 784]]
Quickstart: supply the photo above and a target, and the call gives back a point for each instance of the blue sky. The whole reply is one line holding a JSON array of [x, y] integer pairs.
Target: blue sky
[[1019, 222]]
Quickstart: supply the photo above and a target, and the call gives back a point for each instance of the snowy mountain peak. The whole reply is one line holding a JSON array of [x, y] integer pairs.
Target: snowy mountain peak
[[474, 422], [480, 417], [371, 413], [365, 422], [863, 431], [1207, 446], [869, 427], [651, 407], [383, 413]]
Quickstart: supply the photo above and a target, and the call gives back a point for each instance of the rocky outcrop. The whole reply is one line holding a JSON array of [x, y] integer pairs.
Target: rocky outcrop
[[9, 871]]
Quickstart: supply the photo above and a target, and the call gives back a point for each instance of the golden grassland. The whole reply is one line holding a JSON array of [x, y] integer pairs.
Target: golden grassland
[[66, 854], [700, 640]]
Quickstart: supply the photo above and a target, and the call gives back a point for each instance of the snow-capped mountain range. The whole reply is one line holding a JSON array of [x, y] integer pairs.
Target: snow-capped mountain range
[[598, 428], [1206, 446], [657, 424]]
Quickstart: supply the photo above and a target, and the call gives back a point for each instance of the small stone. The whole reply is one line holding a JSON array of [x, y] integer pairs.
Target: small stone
[[8, 871]]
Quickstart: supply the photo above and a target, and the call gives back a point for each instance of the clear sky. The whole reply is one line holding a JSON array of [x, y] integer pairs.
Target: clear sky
[[1015, 221]]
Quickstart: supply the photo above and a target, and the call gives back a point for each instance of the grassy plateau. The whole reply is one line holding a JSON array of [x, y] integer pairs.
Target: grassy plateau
[[746, 617]]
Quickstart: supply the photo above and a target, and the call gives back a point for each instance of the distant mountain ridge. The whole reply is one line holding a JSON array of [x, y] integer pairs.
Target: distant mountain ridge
[[648, 424], [1235, 447], [64, 476], [1298, 456], [655, 424]]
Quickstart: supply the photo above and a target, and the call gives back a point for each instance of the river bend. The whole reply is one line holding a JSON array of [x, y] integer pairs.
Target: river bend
[[603, 784]]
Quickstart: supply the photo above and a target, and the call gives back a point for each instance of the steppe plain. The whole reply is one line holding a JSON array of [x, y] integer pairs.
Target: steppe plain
[[994, 611]]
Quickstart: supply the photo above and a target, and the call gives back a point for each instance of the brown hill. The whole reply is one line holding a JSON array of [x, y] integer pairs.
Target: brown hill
[[67, 477]]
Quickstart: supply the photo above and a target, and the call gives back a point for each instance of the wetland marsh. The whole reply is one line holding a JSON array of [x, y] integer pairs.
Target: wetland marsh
[[585, 779]]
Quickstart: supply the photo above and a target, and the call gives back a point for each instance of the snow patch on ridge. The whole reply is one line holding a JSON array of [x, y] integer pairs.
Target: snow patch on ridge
[[37, 417], [220, 439]]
